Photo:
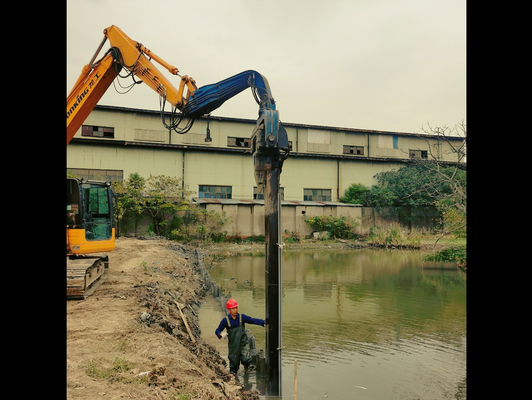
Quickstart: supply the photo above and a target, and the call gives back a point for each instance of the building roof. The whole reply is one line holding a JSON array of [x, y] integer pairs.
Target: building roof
[[286, 124]]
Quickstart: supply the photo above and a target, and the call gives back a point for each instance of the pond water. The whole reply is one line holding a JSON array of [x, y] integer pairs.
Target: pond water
[[363, 324]]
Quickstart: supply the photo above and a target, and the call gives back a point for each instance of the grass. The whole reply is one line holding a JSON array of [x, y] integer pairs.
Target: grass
[[96, 369], [183, 394], [396, 235]]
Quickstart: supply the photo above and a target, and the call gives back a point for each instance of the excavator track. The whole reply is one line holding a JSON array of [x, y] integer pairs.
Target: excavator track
[[84, 275]]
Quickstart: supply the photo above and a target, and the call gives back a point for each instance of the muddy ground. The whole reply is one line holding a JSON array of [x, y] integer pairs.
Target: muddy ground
[[128, 340]]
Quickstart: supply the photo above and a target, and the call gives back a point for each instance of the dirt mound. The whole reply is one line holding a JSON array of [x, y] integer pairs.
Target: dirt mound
[[128, 339]]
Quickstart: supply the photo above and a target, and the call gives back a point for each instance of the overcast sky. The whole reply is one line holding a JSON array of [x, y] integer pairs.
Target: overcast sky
[[391, 65]]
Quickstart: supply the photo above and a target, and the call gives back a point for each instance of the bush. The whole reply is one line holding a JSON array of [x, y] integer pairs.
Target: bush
[[457, 254], [200, 224], [454, 220], [338, 227], [245, 239], [291, 237], [356, 194]]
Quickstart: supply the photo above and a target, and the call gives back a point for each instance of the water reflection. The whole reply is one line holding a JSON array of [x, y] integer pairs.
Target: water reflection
[[368, 318]]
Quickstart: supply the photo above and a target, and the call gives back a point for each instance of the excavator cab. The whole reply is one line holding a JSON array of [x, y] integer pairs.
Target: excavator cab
[[89, 230], [89, 216]]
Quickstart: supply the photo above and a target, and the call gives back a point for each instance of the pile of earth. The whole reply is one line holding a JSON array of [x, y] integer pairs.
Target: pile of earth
[[129, 339]]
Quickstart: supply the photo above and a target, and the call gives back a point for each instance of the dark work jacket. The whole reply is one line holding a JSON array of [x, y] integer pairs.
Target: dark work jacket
[[234, 323]]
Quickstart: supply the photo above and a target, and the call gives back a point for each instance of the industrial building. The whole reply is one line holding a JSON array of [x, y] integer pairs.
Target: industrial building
[[324, 161]]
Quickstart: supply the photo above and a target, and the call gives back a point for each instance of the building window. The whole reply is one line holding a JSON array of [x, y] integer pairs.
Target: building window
[[238, 142], [317, 194], [110, 175], [260, 196], [418, 153], [358, 150], [215, 192], [98, 131]]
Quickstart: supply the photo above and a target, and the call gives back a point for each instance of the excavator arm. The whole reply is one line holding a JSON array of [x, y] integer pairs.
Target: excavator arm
[[136, 58], [125, 53], [209, 97], [89, 88]]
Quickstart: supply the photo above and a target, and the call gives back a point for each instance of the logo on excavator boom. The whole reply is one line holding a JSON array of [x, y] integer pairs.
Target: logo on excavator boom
[[81, 96]]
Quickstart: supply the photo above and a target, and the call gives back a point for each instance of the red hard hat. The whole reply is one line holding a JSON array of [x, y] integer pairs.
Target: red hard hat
[[231, 303]]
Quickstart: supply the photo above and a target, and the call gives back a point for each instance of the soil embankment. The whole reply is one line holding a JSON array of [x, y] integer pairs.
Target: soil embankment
[[128, 339]]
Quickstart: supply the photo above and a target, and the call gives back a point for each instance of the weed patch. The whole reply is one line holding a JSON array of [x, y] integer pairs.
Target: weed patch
[[97, 369], [395, 235]]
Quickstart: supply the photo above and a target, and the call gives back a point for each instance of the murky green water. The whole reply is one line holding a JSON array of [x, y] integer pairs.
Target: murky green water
[[364, 324]]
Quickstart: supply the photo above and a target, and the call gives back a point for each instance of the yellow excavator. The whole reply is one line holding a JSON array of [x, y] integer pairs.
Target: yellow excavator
[[90, 223]]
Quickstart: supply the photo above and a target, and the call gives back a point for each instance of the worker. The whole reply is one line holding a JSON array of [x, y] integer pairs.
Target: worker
[[234, 323]]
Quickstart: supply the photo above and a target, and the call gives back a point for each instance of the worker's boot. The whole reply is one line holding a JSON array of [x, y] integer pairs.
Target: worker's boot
[[250, 368]]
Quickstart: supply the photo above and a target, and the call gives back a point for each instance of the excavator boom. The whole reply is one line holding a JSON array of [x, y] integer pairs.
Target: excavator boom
[[124, 53], [88, 90]]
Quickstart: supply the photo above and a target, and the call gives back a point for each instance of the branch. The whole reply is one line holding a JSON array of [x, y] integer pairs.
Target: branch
[[449, 231]]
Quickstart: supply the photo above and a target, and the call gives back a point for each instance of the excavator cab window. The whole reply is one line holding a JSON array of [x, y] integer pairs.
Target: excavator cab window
[[97, 211], [73, 202]]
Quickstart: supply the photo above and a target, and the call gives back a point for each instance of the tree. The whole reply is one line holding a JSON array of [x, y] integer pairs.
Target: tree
[[129, 205], [158, 196], [163, 196], [431, 181], [200, 224], [426, 182], [416, 185], [449, 188], [404, 187], [356, 194]]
